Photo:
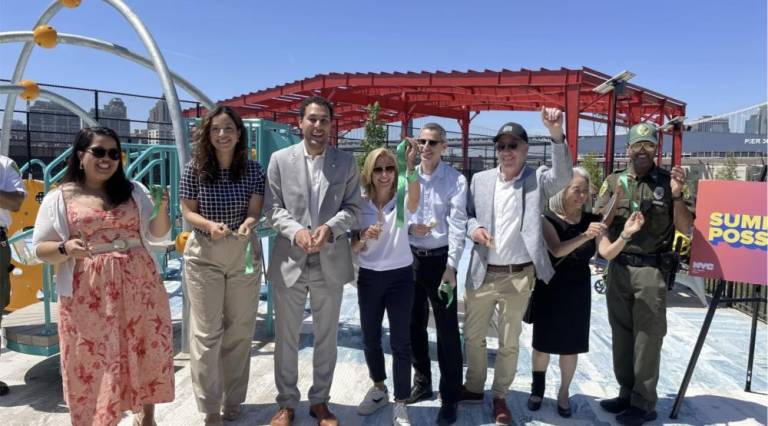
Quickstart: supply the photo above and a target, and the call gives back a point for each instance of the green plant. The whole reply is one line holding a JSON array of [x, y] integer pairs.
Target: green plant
[[728, 171], [375, 133]]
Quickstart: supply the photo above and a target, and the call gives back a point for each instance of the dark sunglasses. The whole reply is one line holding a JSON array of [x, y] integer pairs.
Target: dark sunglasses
[[501, 147], [428, 141], [99, 152], [380, 170]]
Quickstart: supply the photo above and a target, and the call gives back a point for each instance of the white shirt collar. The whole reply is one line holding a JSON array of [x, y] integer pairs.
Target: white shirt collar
[[500, 175], [313, 157]]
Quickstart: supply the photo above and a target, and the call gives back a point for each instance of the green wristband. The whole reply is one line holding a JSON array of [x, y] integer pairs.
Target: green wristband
[[412, 176]]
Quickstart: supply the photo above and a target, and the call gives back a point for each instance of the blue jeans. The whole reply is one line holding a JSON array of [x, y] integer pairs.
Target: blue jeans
[[392, 291]]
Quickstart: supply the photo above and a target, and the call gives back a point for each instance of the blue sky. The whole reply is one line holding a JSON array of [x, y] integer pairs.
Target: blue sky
[[710, 54]]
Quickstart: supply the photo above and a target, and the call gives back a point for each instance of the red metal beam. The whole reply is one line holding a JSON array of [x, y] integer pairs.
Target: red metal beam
[[572, 120]]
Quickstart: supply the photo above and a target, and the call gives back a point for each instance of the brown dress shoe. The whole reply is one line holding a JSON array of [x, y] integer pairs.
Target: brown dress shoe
[[323, 415], [501, 413], [283, 417]]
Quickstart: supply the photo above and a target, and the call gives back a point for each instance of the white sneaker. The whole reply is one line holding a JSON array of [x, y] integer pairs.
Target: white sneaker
[[373, 401], [400, 415]]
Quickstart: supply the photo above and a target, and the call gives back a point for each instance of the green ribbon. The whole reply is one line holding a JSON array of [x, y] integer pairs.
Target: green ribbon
[[401, 183], [249, 257], [624, 180], [156, 192], [445, 288]]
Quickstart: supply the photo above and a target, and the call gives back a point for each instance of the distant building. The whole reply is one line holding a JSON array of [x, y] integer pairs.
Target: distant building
[[51, 124], [159, 129], [718, 125], [757, 123], [115, 116], [139, 136]]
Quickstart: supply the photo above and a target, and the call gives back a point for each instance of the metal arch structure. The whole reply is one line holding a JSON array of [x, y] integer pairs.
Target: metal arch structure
[[9, 89], [158, 62], [77, 40], [461, 96]]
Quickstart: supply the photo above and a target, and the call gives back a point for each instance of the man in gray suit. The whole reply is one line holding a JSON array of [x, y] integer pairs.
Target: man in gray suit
[[504, 207], [313, 198]]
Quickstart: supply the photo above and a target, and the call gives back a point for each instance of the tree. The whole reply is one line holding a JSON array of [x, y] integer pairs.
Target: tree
[[375, 133], [589, 163], [728, 171]]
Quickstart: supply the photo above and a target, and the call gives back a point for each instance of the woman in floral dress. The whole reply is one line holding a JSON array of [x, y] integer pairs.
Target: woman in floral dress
[[114, 320]]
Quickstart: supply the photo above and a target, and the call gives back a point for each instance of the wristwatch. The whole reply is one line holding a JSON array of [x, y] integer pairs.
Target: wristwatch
[[63, 248]]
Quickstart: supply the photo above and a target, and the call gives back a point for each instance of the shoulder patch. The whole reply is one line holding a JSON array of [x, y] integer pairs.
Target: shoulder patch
[[603, 188]]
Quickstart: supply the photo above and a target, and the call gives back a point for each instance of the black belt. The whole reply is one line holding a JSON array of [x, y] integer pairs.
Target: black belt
[[3, 233], [421, 252], [512, 269], [639, 260]]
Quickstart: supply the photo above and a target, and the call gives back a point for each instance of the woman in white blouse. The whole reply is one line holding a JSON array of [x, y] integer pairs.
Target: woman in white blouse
[[385, 279]]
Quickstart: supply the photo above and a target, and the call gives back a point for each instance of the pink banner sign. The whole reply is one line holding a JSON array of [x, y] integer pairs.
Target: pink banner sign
[[730, 237]]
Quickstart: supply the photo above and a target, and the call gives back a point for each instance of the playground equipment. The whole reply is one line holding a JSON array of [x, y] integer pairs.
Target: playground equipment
[[31, 328]]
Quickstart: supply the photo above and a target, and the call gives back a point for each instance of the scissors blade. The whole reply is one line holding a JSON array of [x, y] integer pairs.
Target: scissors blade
[[608, 210]]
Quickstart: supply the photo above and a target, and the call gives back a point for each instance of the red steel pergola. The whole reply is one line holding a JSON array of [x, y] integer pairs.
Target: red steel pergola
[[462, 95]]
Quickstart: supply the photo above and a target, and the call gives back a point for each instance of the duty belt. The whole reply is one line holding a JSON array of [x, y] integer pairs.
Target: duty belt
[[639, 260]]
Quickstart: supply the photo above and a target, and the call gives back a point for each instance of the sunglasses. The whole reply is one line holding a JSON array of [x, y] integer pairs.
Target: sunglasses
[[99, 152], [501, 147], [428, 141], [380, 170], [646, 145]]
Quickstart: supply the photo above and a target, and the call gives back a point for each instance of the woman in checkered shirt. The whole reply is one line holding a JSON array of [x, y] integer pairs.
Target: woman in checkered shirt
[[221, 195]]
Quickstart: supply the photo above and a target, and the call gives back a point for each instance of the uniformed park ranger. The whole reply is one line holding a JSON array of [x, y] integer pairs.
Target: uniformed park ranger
[[651, 200]]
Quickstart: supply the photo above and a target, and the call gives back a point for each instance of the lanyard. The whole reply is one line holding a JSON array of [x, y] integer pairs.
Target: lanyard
[[624, 180]]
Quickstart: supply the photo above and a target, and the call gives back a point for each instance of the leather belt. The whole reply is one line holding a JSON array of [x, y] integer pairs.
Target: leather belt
[[509, 268], [115, 245], [421, 252]]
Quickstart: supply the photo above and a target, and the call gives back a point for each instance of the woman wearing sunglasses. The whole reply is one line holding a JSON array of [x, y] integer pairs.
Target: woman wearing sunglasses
[[385, 278], [221, 194], [114, 319]]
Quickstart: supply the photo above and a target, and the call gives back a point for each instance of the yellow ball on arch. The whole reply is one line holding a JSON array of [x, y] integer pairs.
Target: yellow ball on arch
[[31, 90], [70, 3], [45, 36]]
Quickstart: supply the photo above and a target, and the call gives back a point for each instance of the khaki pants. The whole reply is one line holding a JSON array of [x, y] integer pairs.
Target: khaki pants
[[223, 305], [508, 294], [637, 313]]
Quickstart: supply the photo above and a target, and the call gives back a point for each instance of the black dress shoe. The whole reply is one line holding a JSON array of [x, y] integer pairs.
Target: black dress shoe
[[534, 405], [4, 389], [634, 416], [615, 405], [447, 413], [564, 412], [419, 393]]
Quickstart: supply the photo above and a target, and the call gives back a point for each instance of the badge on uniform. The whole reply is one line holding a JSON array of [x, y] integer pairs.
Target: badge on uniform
[[658, 193]]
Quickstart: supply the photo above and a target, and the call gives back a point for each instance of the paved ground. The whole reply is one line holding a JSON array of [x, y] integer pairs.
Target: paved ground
[[715, 395]]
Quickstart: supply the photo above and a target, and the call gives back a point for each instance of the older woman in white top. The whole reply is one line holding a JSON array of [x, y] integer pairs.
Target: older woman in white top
[[114, 319], [385, 279]]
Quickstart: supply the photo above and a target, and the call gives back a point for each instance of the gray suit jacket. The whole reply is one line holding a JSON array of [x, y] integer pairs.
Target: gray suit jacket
[[287, 212], [537, 186]]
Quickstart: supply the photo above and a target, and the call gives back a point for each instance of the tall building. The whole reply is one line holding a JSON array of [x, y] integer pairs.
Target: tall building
[[115, 116], [717, 125], [159, 129], [757, 123], [51, 124]]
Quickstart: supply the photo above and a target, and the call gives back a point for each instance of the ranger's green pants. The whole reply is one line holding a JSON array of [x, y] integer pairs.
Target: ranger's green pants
[[637, 312]]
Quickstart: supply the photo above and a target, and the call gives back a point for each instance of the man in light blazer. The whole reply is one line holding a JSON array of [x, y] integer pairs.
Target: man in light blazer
[[504, 207], [313, 198]]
